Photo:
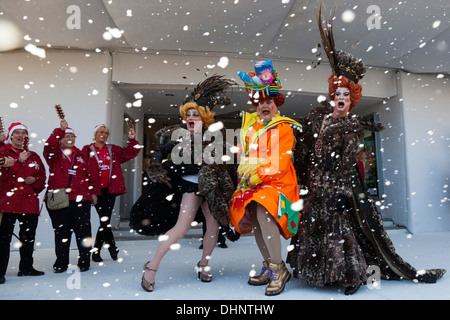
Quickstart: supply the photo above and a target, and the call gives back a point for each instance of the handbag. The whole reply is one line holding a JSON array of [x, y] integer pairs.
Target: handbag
[[59, 198]]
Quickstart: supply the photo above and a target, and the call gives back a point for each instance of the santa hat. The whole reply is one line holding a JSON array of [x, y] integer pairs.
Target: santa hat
[[15, 126], [69, 130], [98, 127]]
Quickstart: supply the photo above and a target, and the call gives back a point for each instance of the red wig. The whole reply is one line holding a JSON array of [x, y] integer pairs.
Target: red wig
[[278, 100], [335, 82]]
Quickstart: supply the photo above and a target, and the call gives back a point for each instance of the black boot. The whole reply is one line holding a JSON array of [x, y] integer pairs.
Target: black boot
[[30, 272], [113, 251], [96, 256]]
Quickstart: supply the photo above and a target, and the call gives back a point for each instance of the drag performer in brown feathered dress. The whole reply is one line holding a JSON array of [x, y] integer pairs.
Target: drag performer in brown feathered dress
[[341, 232], [184, 179]]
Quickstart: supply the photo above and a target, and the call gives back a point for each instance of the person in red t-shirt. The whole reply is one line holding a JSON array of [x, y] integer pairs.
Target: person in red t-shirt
[[105, 161], [69, 170], [22, 178]]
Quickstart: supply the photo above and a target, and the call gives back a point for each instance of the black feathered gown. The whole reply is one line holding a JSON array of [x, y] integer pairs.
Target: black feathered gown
[[341, 233]]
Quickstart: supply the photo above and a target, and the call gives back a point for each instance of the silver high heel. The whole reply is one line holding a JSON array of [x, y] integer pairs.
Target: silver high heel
[[203, 277], [147, 286]]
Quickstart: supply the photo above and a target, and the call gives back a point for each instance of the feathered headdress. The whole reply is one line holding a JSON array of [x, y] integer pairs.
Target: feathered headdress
[[342, 63], [205, 96], [210, 92]]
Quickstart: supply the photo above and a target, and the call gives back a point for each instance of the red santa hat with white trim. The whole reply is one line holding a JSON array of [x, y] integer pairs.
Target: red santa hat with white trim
[[14, 126]]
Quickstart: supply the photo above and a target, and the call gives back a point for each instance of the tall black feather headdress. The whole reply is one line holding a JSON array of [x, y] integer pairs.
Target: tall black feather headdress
[[342, 63], [211, 92]]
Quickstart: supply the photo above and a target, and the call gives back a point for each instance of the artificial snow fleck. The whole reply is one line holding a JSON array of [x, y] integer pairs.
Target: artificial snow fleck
[[298, 205], [163, 237], [421, 272], [39, 52], [73, 69], [436, 24], [175, 246], [10, 36], [217, 126], [348, 16], [223, 62], [234, 149], [321, 98]]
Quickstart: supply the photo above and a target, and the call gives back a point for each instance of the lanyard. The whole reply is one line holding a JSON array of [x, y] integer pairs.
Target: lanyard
[[71, 158]]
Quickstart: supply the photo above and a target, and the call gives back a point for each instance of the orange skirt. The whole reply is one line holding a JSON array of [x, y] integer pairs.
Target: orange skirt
[[269, 197]]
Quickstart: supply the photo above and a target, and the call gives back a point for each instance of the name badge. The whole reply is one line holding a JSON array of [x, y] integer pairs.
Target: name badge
[[72, 172], [104, 167]]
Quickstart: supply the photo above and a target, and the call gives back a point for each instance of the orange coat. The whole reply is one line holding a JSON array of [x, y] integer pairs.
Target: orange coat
[[265, 161]]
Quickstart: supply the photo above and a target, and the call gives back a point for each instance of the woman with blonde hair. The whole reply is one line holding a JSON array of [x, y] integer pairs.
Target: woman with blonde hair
[[105, 162]]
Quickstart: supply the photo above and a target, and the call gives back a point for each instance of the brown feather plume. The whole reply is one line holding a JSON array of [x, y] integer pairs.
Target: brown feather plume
[[342, 63], [210, 92]]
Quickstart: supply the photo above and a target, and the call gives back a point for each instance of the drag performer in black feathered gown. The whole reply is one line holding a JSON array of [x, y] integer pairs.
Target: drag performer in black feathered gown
[[341, 233]]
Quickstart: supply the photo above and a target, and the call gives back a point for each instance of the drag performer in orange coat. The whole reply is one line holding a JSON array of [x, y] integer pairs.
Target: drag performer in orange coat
[[267, 182]]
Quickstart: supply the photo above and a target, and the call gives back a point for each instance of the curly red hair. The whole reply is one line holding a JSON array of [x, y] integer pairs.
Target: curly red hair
[[278, 100], [335, 82]]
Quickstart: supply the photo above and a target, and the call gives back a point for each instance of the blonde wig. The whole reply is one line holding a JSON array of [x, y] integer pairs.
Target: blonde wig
[[205, 113]]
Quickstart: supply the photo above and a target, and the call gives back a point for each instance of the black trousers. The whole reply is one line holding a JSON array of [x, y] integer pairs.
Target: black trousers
[[104, 207], [27, 232], [74, 219]]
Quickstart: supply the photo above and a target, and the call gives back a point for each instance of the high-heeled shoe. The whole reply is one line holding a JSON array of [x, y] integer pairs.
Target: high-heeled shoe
[[147, 286], [202, 276]]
